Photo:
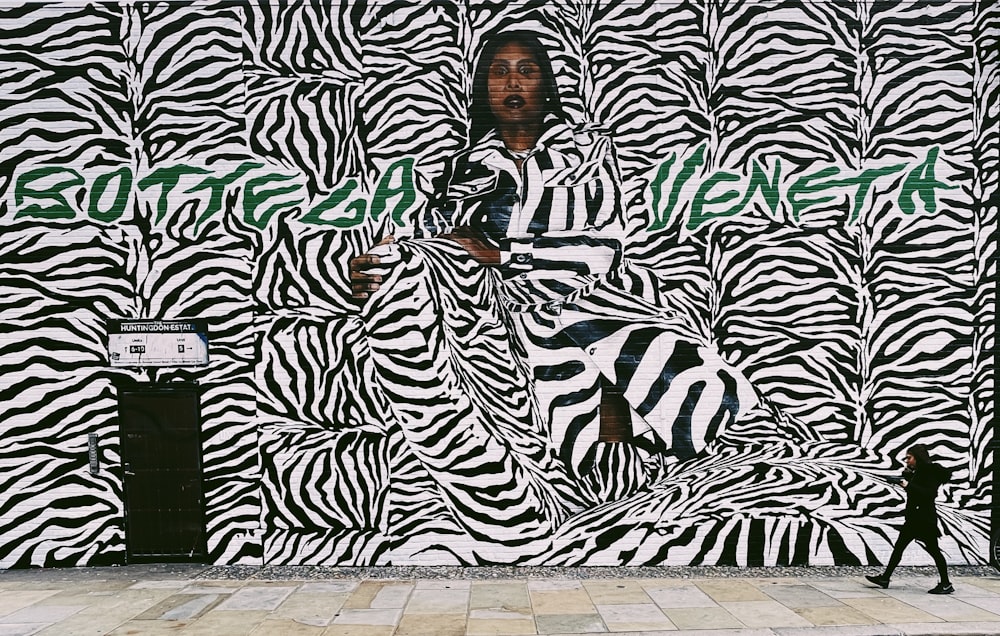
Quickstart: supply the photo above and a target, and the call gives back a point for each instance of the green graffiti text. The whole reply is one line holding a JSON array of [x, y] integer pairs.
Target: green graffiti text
[[715, 193], [678, 193], [50, 192]]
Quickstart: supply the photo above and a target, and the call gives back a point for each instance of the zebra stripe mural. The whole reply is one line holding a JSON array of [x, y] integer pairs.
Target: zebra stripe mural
[[808, 189]]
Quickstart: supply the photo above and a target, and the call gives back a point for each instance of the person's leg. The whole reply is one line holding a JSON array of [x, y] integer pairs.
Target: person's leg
[[882, 580], [616, 424], [905, 539], [932, 547], [444, 362]]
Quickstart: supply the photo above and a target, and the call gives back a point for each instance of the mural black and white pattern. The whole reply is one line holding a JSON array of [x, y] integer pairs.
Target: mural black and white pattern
[[811, 184]]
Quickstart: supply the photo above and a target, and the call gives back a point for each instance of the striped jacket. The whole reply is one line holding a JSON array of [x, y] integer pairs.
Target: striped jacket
[[557, 221]]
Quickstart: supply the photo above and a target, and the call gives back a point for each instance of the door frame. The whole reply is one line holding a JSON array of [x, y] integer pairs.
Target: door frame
[[199, 553]]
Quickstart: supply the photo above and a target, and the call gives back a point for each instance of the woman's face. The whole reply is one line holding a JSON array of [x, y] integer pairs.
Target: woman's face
[[911, 461], [516, 86]]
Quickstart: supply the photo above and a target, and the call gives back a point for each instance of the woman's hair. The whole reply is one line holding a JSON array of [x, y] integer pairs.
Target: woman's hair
[[480, 115], [920, 453]]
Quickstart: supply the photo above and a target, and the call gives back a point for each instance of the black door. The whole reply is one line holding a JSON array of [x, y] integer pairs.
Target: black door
[[161, 460]]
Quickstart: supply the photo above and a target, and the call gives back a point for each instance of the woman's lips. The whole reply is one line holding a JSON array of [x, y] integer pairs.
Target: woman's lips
[[514, 101]]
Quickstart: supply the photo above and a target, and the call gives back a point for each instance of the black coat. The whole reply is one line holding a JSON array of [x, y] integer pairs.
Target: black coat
[[921, 491]]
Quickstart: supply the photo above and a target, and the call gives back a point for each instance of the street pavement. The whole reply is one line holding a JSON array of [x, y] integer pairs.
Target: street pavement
[[199, 599]]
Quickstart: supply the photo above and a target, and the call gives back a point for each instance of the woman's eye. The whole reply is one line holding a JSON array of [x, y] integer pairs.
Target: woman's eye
[[526, 70], [499, 71]]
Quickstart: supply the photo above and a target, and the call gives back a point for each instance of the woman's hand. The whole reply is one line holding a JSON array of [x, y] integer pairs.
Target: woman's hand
[[474, 245], [367, 270]]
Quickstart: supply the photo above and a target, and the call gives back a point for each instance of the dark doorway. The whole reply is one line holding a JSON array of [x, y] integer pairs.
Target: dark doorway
[[161, 461]]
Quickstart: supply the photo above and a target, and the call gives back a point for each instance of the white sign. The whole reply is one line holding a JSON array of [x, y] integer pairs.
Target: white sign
[[157, 343]]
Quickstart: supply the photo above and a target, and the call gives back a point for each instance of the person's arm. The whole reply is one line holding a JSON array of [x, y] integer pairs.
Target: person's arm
[[922, 488], [434, 220], [475, 244], [439, 222]]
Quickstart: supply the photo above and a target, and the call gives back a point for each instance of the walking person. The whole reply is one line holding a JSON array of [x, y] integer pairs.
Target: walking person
[[921, 479]]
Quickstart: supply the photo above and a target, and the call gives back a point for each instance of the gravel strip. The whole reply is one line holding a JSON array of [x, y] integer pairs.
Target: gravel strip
[[192, 571], [303, 573]]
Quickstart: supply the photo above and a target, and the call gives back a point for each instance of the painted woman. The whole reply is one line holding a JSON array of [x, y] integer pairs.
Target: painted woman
[[523, 363]]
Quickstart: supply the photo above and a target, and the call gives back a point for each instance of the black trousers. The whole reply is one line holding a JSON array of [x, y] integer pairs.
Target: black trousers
[[930, 543]]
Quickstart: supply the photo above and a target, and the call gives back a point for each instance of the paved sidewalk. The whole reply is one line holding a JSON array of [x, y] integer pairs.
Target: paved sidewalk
[[184, 599]]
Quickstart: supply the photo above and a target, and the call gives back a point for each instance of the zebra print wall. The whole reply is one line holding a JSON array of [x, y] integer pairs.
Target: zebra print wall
[[809, 200]]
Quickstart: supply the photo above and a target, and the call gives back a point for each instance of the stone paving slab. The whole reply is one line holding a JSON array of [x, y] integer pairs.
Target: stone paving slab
[[190, 607], [149, 601], [702, 618], [20, 629], [950, 629], [256, 598], [834, 616], [687, 596], [767, 613], [510, 596], [799, 595], [616, 592], [634, 617]]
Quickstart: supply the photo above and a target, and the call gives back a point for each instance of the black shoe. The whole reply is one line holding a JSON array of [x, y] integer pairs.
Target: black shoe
[[941, 588], [881, 580]]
